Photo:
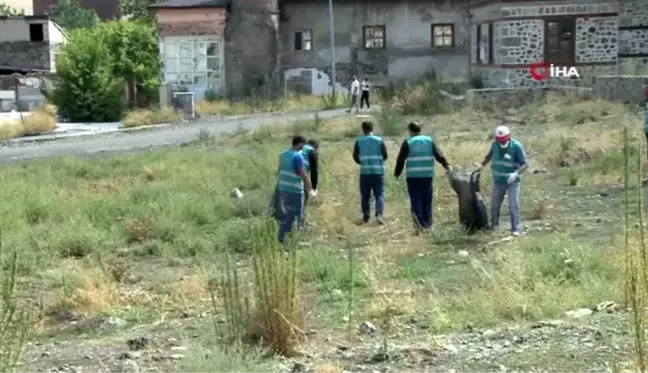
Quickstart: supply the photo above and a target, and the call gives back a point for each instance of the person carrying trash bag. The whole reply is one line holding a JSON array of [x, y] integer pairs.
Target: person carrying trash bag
[[417, 155], [292, 182], [508, 162]]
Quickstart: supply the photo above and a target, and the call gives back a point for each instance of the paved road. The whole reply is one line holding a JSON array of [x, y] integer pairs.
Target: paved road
[[165, 136]]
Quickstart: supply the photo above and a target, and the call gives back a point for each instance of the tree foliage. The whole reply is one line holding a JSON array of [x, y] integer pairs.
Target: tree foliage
[[6, 10], [70, 15], [137, 10], [86, 89], [129, 52]]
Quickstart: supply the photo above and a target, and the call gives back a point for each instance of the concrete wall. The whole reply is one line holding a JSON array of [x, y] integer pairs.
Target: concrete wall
[[621, 88], [16, 49], [408, 35], [195, 21], [17, 28], [518, 40]]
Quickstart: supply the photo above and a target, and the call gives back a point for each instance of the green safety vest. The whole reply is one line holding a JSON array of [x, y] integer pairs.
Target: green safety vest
[[289, 181], [420, 160], [370, 154], [502, 162], [306, 150], [646, 119]]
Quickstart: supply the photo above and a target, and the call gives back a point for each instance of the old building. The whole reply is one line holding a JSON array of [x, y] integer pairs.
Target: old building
[[381, 39], [192, 44], [29, 43], [596, 37], [105, 9]]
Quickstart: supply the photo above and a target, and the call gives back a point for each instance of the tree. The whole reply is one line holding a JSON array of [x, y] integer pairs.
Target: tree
[[137, 10], [134, 48], [70, 15], [86, 88], [6, 10]]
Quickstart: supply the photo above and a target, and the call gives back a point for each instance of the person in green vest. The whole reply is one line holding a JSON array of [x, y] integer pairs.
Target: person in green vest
[[508, 162], [293, 181], [417, 155], [370, 152]]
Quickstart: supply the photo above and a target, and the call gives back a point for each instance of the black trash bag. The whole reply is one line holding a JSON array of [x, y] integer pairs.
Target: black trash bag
[[277, 210], [473, 214]]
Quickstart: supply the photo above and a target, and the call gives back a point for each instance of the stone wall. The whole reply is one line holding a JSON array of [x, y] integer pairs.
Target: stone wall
[[518, 42], [596, 39], [252, 49], [25, 55], [515, 97], [191, 22], [621, 88], [633, 37]]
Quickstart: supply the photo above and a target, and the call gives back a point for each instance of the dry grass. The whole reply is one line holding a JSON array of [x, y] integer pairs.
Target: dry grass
[[148, 117], [292, 102], [40, 120]]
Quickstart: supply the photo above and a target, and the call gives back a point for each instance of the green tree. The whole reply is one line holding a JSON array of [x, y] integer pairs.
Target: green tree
[[137, 10], [6, 10], [134, 48], [86, 88], [70, 15]]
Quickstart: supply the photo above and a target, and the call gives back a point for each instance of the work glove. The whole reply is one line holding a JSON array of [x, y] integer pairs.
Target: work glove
[[313, 193], [512, 177], [478, 166]]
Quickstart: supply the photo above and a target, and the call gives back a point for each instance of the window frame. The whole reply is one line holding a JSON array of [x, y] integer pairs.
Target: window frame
[[210, 78], [561, 21], [443, 35], [302, 40], [366, 28]]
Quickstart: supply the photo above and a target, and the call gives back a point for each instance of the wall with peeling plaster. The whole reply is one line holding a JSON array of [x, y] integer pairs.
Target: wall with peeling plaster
[[408, 29]]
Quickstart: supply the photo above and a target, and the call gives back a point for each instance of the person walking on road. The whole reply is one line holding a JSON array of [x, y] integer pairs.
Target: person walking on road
[[417, 155], [353, 92], [293, 181], [508, 162], [364, 98], [370, 152]]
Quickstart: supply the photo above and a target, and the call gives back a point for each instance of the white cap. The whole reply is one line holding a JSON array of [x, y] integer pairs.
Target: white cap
[[502, 131]]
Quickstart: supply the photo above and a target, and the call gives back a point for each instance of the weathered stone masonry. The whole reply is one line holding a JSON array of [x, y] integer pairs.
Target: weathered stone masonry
[[26, 55], [599, 40]]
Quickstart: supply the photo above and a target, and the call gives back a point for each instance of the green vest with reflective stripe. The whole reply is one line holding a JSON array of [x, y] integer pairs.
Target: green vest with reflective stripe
[[503, 161], [306, 150], [370, 154], [646, 119], [289, 181], [420, 159]]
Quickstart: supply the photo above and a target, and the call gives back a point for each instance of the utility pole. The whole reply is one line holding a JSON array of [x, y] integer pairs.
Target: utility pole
[[332, 38]]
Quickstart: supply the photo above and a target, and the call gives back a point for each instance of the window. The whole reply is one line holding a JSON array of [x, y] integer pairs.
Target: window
[[443, 35], [303, 40], [193, 63], [374, 37], [560, 40], [484, 47], [36, 32]]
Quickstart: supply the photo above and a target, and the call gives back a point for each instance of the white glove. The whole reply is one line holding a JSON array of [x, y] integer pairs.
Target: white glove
[[512, 177], [313, 193]]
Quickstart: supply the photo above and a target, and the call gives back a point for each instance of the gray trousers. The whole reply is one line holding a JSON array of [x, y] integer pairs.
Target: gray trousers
[[497, 198]]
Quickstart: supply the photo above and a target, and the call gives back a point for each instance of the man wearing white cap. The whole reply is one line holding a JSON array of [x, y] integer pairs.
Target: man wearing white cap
[[508, 162]]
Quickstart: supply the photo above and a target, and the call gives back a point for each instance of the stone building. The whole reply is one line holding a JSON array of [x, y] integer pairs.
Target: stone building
[[29, 43], [602, 37], [378, 38]]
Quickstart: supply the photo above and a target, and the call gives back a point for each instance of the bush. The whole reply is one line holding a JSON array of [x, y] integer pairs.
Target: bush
[[39, 121], [86, 88]]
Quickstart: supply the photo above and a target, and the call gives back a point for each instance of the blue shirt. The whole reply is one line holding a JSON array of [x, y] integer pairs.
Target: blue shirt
[[298, 163]]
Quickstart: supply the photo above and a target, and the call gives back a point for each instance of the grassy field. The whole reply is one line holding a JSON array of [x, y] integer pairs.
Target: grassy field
[[118, 248]]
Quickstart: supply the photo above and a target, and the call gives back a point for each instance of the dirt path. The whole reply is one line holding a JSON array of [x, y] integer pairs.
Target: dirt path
[[165, 136]]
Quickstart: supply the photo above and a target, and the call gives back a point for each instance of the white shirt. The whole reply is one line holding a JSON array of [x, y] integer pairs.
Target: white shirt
[[355, 87], [365, 86]]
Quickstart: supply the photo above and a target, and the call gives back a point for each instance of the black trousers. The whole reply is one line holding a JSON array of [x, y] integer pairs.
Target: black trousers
[[364, 98]]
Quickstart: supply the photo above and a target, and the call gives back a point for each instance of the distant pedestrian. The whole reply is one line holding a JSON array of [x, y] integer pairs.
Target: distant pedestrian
[[364, 98], [508, 162], [370, 152], [417, 155], [293, 180], [353, 92]]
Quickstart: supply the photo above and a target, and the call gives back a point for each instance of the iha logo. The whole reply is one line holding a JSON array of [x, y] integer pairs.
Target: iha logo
[[540, 71]]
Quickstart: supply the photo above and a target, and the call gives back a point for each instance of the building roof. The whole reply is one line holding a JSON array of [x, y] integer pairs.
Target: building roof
[[184, 4]]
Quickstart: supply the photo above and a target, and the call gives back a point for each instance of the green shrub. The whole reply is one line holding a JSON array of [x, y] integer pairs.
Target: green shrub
[[86, 89]]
